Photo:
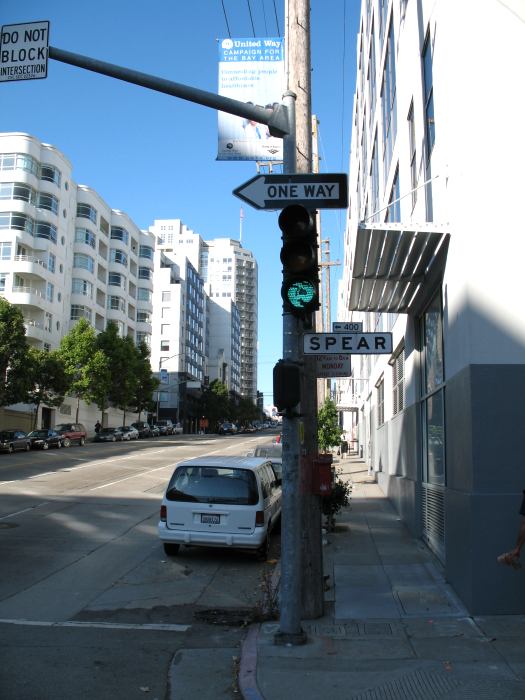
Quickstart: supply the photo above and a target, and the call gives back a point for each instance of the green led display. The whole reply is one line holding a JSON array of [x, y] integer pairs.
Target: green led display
[[301, 294]]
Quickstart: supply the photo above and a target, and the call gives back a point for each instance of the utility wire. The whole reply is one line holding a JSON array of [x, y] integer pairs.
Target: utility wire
[[251, 17], [226, 19], [264, 16], [276, 19]]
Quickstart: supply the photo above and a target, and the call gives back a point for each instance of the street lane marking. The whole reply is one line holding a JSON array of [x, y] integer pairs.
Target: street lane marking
[[133, 476], [99, 625], [26, 510]]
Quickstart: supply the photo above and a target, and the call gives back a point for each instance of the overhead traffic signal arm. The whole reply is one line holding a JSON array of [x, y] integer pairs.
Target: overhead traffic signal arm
[[300, 287]]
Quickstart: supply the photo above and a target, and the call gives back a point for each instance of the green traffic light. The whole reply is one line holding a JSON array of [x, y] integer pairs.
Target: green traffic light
[[301, 294]]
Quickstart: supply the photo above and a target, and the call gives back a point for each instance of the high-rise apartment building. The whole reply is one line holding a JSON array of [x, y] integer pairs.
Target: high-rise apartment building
[[231, 273], [433, 255], [65, 253]]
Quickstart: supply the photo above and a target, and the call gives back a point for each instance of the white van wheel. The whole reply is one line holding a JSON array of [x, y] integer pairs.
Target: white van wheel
[[171, 549]]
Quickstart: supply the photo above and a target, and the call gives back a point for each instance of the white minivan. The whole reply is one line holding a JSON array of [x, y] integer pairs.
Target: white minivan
[[221, 502]]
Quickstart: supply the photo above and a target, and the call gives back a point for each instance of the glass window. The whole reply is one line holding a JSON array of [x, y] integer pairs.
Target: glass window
[[118, 256], [50, 174], [165, 328], [79, 311], [116, 279], [435, 433], [86, 211], [18, 161], [80, 286], [48, 201], [143, 294], [104, 226], [146, 251], [119, 234], [428, 95], [165, 345], [84, 261], [50, 291], [166, 296], [143, 317], [412, 153], [17, 190], [84, 235], [145, 273], [116, 303], [5, 250], [51, 262], [19, 222], [393, 214], [3, 277], [45, 230], [433, 345]]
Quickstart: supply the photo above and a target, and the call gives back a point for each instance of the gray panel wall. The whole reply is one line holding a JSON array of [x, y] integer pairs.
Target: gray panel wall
[[485, 426]]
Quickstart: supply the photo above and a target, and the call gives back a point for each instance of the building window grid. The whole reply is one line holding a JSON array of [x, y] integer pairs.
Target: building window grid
[[412, 153], [428, 95], [380, 387]]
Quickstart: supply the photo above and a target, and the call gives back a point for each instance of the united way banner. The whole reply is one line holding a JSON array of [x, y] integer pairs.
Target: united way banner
[[250, 70]]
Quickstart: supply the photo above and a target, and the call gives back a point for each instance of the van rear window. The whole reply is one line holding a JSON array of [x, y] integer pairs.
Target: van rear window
[[213, 485]]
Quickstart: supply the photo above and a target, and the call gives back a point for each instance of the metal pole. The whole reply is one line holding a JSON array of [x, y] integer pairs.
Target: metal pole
[[290, 630]]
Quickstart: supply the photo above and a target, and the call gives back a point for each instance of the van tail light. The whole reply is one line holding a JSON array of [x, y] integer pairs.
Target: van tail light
[[259, 518], [163, 514]]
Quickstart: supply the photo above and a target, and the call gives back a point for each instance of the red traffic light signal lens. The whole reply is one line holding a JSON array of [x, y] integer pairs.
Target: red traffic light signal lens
[[295, 219]]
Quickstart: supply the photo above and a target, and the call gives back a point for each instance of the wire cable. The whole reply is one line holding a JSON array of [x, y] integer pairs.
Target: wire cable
[[251, 17], [226, 19], [264, 17], [276, 19]]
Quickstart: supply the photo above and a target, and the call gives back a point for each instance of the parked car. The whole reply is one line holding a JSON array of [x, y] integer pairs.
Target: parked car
[[274, 452], [11, 440], [227, 428], [155, 430], [44, 439], [143, 428], [72, 432], [165, 426], [178, 429], [108, 435], [129, 432], [221, 502]]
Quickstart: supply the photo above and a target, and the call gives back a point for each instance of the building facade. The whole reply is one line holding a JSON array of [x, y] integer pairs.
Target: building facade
[[432, 256]]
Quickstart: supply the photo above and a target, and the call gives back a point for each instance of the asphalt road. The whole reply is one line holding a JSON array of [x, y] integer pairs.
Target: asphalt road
[[90, 606]]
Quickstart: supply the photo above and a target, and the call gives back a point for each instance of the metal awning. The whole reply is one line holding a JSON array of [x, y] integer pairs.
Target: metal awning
[[396, 269]]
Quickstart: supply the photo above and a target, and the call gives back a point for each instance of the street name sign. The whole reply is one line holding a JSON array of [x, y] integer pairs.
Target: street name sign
[[24, 50], [333, 366], [313, 191], [351, 343], [347, 326]]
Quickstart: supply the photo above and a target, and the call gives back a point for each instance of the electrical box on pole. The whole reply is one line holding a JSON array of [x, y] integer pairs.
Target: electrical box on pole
[[300, 287]]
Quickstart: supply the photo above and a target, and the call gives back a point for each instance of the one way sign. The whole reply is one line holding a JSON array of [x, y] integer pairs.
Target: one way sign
[[314, 191]]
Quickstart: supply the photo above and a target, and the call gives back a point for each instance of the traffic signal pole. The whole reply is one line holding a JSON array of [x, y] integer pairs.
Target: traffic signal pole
[[290, 630]]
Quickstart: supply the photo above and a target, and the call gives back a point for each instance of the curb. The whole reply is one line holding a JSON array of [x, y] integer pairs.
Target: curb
[[248, 666]]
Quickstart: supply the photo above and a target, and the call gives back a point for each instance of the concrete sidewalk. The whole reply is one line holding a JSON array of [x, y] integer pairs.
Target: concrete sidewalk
[[392, 629]]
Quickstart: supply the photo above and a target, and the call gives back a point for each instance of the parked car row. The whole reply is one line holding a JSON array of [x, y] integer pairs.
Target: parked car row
[[230, 428], [137, 430], [66, 434]]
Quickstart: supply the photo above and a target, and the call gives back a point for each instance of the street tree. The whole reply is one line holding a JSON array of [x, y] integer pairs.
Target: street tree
[[146, 382], [49, 380], [214, 403], [15, 380], [77, 350], [328, 430]]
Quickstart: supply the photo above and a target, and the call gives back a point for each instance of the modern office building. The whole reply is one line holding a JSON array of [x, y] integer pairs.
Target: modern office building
[[434, 255], [66, 254]]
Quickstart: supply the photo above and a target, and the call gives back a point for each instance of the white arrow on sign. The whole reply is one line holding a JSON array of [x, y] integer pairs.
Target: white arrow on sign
[[315, 191]]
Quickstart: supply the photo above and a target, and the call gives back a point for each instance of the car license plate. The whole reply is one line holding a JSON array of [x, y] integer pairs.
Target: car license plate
[[210, 519]]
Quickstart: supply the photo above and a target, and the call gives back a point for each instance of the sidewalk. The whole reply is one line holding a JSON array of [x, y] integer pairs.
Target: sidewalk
[[393, 629]]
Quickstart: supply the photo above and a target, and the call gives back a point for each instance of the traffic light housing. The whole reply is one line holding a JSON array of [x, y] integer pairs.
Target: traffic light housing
[[286, 385], [300, 287]]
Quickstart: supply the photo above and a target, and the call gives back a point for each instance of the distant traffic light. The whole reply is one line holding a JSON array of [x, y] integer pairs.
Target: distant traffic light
[[300, 287], [286, 384]]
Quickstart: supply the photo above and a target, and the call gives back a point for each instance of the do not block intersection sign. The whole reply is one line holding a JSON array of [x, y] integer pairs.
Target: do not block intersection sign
[[351, 343]]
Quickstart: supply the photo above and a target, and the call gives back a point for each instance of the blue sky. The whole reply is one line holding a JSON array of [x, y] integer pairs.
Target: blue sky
[[154, 156]]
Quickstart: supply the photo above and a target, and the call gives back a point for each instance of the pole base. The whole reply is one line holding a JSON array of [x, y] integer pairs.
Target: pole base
[[290, 639]]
